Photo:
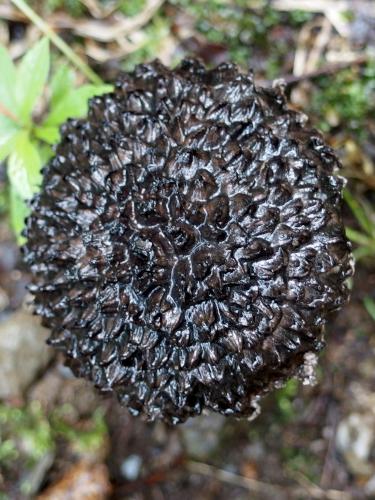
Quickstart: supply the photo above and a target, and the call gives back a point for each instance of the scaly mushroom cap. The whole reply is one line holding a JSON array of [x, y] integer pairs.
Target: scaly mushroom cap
[[187, 245]]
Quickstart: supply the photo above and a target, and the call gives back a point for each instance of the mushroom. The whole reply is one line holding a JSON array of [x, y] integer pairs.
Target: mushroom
[[187, 244]]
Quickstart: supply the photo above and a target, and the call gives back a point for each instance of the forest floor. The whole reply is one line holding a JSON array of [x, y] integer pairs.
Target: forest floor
[[58, 435]]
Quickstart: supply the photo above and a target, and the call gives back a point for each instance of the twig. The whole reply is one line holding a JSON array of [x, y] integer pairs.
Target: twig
[[57, 41], [9, 13], [315, 491], [104, 31], [234, 479], [309, 6], [332, 9], [98, 10], [307, 490], [300, 55], [321, 41], [332, 421], [6, 112], [328, 69]]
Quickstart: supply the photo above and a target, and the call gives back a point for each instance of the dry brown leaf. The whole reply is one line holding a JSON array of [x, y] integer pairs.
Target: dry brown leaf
[[83, 481], [98, 10], [106, 30]]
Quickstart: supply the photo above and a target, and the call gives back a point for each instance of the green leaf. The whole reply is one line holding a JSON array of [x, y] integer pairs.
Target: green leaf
[[45, 152], [358, 237], [364, 251], [359, 213], [24, 167], [51, 135], [8, 133], [32, 74], [370, 306], [18, 211], [62, 82], [7, 80], [75, 103]]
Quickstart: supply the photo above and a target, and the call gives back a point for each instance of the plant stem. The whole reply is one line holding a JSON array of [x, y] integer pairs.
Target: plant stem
[[57, 41], [6, 112]]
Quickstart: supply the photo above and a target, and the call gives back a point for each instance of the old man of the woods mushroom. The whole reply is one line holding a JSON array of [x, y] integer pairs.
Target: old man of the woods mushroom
[[187, 245]]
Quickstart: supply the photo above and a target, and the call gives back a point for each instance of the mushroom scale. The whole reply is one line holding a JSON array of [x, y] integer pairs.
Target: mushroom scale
[[187, 246]]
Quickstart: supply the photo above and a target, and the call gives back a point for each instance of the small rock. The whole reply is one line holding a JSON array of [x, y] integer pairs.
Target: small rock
[[201, 434], [169, 447], [54, 389], [255, 451], [355, 438], [4, 299], [131, 467], [370, 487], [23, 352], [83, 481]]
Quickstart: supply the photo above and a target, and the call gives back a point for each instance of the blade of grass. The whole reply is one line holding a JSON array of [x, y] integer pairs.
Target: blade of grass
[[362, 252], [359, 238], [57, 41], [369, 304], [359, 213]]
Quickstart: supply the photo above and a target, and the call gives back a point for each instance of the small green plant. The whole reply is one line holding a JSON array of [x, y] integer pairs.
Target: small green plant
[[77, 8], [130, 7], [347, 97], [85, 440], [33, 105], [153, 37], [365, 237], [299, 460], [244, 28], [74, 7], [29, 433], [369, 304], [24, 432], [285, 398]]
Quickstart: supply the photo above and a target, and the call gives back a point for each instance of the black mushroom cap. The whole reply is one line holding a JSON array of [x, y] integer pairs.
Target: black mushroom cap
[[187, 244]]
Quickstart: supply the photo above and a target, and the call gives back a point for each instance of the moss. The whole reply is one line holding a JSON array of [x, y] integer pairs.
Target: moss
[[154, 36], [285, 398], [299, 460], [348, 98], [131, 7], [245, 29], [28, 434], [84, 439], [25, 434]]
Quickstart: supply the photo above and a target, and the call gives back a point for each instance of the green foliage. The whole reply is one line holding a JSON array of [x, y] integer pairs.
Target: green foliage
[[154, 36], [130, 7], [62, 82], [298, 460], [7, 79], [347, 97], [31, 77], [365, 237], [31, 112], [73, 7], [239, 26], [244, 26], [76, 8], [72, 103], [24, 434], [28, 433], [369, 304], [84, 440], [285, 398]]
